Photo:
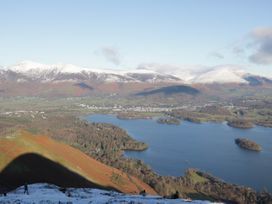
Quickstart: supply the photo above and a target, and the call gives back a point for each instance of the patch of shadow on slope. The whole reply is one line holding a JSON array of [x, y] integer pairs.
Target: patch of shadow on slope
[[84, 86], [34, 168], [170, 90], [257, 80]]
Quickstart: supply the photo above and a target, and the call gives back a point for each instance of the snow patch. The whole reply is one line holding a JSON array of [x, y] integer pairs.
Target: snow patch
[[49, 194]]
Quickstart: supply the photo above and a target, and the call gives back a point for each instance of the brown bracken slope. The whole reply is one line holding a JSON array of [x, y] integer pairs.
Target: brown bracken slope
[[19, 149]]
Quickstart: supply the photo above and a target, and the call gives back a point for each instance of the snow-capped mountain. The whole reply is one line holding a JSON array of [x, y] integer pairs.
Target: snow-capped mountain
[[200, 74], [149, 73], [222, 74], [48, 193], [32, 71]]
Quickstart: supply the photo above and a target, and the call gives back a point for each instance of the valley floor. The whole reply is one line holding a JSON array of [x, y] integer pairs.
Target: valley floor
[[61, 119]]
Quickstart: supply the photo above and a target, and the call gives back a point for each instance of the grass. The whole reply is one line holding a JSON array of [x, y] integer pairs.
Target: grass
[[196, 178]]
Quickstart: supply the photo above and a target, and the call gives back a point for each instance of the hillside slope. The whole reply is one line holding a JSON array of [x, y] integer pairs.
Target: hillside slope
[[29, 158]]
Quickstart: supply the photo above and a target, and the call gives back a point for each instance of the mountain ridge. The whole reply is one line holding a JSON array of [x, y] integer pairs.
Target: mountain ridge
[[26, 71]]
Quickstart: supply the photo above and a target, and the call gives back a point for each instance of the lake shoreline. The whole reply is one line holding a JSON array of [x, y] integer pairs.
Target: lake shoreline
[[188, 179], [197, 120], [131, 153]]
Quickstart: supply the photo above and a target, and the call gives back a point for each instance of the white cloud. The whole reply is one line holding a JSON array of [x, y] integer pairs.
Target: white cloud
[[111, 54], [217, 55]]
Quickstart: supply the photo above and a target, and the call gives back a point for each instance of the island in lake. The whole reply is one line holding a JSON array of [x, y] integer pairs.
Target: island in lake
[[248, 144], [169, 121]]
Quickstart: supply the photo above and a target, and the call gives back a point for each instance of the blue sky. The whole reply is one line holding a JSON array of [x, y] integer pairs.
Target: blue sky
[[125, 33]]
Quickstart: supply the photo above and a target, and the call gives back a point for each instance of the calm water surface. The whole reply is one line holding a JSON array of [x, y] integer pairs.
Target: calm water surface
[[209, 147]]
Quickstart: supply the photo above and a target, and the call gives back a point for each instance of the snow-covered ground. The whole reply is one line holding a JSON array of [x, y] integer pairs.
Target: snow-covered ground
[[51, 194]]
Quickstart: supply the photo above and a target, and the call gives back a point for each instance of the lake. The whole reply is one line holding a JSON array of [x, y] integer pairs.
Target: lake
[[209, 147]]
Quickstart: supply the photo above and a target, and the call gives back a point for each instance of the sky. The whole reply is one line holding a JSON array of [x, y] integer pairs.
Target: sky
[[126, 34]]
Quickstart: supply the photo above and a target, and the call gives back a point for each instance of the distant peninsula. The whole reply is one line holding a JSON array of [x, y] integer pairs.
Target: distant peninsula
[[243, 124], [169, 121], [132, 116]]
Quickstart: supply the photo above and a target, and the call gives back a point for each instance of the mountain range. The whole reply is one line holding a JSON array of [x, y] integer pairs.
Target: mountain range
[[27, 71], [66, 80]]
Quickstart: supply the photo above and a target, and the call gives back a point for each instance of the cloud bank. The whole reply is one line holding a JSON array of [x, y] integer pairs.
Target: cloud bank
[[262, 41]]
